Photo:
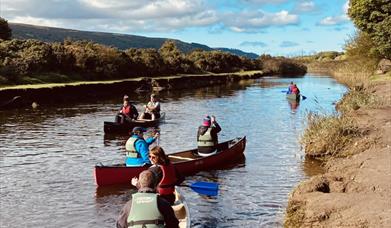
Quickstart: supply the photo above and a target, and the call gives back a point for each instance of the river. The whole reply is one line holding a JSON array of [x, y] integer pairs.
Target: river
[[47, 155]]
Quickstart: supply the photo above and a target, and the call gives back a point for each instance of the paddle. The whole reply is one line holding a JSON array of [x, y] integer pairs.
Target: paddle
[[204, 188]]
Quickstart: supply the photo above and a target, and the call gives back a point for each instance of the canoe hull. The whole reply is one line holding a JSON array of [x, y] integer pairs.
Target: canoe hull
[[186, 162], [293, 97], [116, 128]]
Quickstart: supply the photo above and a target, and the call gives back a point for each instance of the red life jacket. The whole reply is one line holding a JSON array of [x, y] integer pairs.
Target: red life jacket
[[291, 87], [126, 110], [295, 90], [167, 184]]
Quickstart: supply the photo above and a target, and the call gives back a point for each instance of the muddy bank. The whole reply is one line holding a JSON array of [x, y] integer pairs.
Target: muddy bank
[[355, 190], [22, 96]]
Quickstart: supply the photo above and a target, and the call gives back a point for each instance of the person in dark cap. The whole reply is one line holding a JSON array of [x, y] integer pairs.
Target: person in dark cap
[[127, 112], [137, 148], [207, 136], [146, 208]]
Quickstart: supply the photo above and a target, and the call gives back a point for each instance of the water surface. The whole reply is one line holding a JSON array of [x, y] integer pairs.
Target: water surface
[[47, 155]]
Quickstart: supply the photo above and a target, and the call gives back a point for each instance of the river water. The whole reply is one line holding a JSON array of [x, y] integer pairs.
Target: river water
[[47, 155]]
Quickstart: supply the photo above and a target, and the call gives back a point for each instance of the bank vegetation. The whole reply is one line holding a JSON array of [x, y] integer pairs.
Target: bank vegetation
[[363, 67], [34, 61]]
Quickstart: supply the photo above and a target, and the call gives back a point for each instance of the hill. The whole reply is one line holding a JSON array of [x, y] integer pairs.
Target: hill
[[121, 41]]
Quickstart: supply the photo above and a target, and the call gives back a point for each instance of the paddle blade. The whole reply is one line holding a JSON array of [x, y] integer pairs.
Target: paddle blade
[[304, 97], [205, 188]]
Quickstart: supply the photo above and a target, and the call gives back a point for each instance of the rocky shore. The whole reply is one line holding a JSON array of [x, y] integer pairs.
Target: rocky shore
[[355, 190], [26, 95]]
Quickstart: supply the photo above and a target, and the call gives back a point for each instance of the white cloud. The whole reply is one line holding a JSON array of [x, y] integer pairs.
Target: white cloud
[[334, 20], [253, 44], [247, 21], [346, 7], [337, 20], [264, 1], [305, 6], [142, 15]]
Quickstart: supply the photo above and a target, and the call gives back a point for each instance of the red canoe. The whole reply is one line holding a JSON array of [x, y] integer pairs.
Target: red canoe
[[187, 162]]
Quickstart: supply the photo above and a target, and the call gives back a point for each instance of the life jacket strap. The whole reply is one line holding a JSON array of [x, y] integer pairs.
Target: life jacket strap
[[145, 222]]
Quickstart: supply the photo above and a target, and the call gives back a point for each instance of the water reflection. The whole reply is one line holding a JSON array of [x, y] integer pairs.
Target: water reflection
[[293, 105], [47, 155]]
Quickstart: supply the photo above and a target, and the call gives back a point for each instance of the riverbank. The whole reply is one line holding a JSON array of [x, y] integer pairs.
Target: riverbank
[[355, 190], [25, 95]]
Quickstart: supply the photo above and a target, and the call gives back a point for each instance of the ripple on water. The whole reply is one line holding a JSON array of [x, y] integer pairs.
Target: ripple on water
[[47, 157]]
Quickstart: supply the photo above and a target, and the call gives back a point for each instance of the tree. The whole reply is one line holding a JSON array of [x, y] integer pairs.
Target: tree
[[5, 30], [374, 18], [172, 56]]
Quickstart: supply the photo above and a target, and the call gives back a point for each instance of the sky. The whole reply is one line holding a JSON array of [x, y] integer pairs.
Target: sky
[[276, 27]]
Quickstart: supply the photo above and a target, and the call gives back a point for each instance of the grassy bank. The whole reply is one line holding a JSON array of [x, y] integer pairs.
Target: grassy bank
[[336, 140], [92, 90]]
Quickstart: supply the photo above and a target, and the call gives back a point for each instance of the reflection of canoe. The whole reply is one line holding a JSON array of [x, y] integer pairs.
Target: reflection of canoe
[[112, 127], [181, 210], [293, 97], [187, 162]]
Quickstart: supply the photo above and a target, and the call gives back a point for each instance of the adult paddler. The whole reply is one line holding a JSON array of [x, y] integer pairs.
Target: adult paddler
[[137, 148], [146, 208]]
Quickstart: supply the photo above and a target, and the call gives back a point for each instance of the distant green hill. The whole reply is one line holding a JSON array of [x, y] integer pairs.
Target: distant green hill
[[121, 41]]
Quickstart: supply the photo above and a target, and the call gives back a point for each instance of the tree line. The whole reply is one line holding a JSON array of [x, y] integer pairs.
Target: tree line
[[33, 61]]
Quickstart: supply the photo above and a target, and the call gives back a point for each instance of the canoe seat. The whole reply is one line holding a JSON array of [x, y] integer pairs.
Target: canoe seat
[[180, 158]]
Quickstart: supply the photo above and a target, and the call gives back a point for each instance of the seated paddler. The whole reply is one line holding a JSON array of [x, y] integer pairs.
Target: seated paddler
[[146, 208], [137, 148], [127, 113], [207, 136]]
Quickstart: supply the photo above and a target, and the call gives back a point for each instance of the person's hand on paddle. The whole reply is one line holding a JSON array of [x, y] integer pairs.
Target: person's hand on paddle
[[157, 135], [134, 181]]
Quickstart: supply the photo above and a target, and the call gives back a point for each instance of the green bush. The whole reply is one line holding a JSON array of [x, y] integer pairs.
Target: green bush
[[5, 30], [374, 18]]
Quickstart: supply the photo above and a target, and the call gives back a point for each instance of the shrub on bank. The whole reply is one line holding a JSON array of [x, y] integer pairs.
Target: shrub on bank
[[32, 61], [328, 135], [282, 66]]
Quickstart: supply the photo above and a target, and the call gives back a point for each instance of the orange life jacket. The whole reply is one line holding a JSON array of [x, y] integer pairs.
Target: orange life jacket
[[167, 184]]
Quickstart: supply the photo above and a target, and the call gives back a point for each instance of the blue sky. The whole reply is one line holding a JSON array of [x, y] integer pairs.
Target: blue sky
[[277, 27]]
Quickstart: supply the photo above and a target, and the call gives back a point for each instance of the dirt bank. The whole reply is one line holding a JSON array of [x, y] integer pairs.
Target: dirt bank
[[25, 95], [355, 191]]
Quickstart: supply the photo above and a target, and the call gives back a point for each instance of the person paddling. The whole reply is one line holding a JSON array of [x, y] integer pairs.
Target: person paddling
[[137, 148], [293, 89], [152, 109], [207, 136], [146, 208], [127, 113], [167, 176]]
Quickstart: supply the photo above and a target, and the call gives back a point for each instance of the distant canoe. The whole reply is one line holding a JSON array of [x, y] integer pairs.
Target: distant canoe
[[113, 127], [186, 162], [293, 97]]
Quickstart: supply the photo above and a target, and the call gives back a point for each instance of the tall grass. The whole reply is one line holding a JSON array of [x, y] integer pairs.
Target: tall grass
[[328, 135]]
